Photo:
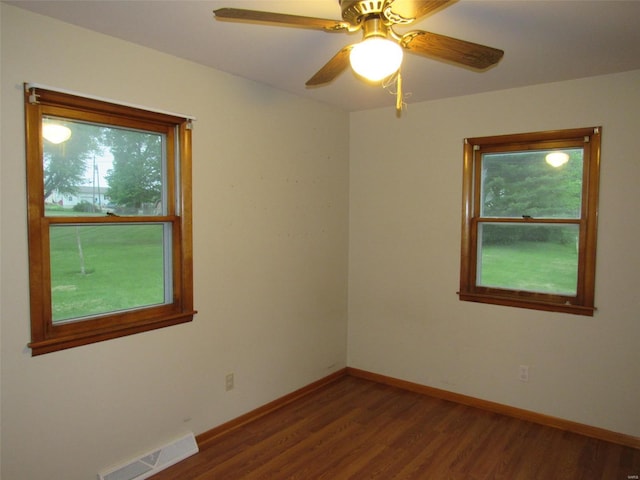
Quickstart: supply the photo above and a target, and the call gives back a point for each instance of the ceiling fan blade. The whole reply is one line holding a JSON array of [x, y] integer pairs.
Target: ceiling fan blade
[[451, 49], [281, 18], [332, 68], [406, 11]]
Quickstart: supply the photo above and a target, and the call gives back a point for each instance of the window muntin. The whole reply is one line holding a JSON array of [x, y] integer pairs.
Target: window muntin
[[529, 227], [108, 256]]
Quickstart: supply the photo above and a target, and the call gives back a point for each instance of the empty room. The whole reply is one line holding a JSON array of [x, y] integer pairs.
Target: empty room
[[240, 246]]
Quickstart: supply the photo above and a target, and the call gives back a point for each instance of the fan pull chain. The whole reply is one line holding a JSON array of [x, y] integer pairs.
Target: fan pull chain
[[399, 94], [388, 84]]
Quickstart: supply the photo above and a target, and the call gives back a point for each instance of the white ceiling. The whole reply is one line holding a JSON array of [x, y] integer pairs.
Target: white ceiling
[[544, 41]]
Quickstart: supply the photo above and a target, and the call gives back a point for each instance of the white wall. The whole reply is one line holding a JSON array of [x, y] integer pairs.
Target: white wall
[[270, 180], [405, 319]]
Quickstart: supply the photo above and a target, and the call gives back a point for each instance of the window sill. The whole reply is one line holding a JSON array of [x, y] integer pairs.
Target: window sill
[[54, 344], [527, 303]]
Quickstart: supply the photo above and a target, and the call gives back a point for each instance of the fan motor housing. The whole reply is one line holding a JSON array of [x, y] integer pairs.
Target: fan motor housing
[[354, 11]]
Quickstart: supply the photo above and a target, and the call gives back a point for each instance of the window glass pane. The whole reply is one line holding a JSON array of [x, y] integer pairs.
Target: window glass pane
[[93, 169], [534, 258], [96, 269], [527, 183]]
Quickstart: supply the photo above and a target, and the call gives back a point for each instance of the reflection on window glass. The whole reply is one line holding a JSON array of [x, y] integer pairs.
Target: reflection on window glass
[[92, 169], [97, 269], [533, 258]]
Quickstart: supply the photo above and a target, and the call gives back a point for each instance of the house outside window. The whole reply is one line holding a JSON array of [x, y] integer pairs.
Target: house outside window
[[529, 220]]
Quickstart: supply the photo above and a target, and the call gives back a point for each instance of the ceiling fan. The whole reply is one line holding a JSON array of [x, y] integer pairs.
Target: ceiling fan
[[379, 55]]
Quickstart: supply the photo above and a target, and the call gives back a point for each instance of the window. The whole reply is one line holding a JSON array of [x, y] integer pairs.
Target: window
[[529, 219], [109, 213]]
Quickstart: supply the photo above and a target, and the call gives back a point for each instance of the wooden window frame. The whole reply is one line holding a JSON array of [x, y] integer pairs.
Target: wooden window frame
[[583, 302], [48, 337]]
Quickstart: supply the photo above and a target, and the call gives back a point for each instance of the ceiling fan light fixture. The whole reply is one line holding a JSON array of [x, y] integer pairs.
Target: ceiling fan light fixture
[[379, 55], [375, 58]]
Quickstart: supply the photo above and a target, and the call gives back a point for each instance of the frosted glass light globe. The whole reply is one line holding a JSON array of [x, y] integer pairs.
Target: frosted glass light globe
[[376, 58]]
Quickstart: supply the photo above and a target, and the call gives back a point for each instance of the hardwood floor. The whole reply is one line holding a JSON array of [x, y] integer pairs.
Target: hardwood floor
[[358, 429]]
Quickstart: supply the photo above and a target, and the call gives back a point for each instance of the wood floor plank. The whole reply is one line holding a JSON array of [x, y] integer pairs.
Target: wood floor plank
[[356, 429]]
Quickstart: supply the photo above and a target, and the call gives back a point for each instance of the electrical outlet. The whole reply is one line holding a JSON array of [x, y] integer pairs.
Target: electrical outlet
[[523, 373], [228, 382]]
